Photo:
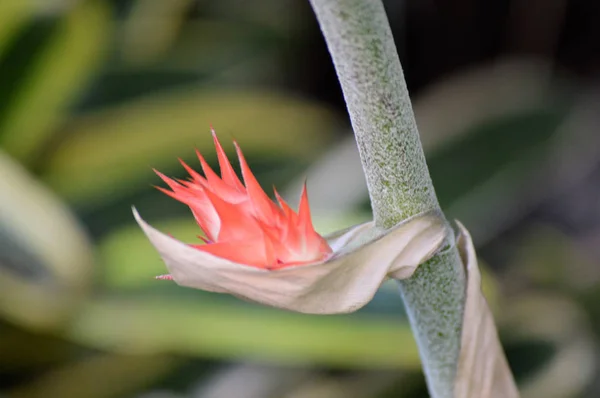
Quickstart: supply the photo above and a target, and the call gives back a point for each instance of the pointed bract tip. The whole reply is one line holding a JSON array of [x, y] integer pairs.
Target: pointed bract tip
[[304, 217], [138, 218], [166, 277], [162, 176]]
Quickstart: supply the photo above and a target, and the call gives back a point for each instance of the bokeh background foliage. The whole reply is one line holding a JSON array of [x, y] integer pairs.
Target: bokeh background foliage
[[95, 93]]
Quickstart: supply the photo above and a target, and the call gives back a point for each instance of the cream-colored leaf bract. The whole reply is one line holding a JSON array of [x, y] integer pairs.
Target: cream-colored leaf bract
[[342, 284], [482, 368]]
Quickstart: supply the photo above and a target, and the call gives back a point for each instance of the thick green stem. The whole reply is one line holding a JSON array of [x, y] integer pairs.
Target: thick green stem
[[360, 41]]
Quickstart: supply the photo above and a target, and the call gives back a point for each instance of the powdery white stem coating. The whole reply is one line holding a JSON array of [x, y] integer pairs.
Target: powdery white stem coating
[[364, 54], [360, 41]]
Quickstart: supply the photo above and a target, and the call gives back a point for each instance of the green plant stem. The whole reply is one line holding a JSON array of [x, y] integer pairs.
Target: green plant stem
[[361, 45]]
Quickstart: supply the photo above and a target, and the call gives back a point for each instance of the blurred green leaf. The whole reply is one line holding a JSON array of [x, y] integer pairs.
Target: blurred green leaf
[[113, 150], [127, 258], [205, 51], [12, 16], [548, 257], [20, 59], [492, 146], [65, 64], [213, 46], [153, 323], [489, 176], [118, 87]]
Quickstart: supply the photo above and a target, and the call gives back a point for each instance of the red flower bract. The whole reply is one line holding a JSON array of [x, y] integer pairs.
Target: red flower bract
[[241, 222]]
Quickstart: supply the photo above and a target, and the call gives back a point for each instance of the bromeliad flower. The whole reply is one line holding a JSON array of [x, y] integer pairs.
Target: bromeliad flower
[[266, 252], [240, 221]]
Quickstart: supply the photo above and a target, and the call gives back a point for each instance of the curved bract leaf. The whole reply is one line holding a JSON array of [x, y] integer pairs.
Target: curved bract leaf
[[118, 145], [363, 258], [45, 257], [126, 261], [482, 368], [126, 264], [61, 71]]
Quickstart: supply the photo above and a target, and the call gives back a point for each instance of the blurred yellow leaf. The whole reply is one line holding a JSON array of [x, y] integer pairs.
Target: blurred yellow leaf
[[557, 320], [152, 27], [99, 376], [59, 75], [112, 149], [45, 257]]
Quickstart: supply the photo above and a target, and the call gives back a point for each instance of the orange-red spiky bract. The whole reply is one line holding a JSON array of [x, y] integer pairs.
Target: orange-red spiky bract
[[241, 222]]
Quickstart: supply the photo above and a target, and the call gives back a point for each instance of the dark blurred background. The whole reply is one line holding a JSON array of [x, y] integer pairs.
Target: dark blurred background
[[94, 93]]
